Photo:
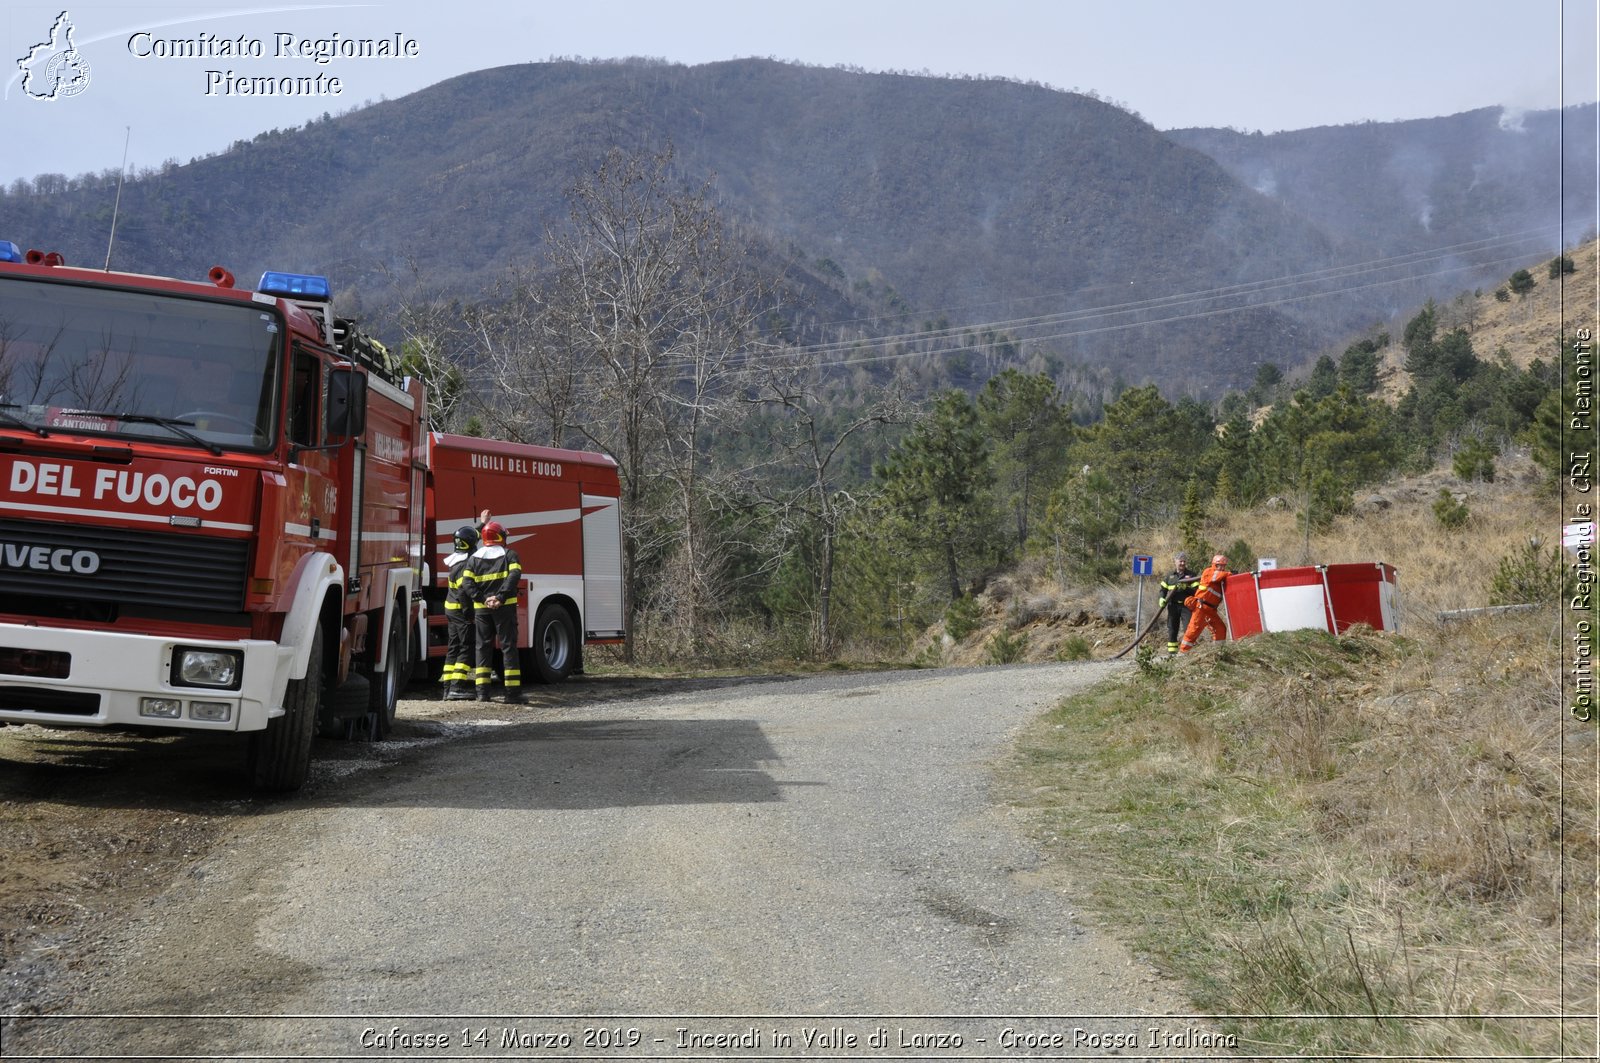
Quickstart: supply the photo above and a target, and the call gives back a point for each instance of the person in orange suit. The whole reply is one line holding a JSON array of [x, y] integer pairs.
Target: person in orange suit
[[1203, 605]]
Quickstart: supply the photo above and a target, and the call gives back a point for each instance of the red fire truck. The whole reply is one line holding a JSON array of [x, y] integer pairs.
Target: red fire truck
[[211, 510], [560, 512]]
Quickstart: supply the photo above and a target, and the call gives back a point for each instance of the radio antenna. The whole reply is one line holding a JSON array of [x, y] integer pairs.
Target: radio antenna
[[117, 205]]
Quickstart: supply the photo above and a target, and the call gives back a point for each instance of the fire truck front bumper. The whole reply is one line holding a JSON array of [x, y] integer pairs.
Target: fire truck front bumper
[[65, 678]]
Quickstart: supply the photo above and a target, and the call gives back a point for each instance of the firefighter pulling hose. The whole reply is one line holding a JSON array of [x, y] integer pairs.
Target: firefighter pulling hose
[[1176, 588], [1203, 605]]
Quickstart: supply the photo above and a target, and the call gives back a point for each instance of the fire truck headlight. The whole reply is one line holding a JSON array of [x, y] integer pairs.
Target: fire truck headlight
[[165, 708], [194, 667], [215, 711]]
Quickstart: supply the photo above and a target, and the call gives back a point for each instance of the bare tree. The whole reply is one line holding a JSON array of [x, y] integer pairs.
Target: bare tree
[[812, 442], [533, 359], [652, 304], [431, 345]]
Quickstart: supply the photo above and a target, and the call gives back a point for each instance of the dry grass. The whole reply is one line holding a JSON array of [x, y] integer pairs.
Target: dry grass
[[1438, 569], [1374, 825], [1362, 826], [1521, 328]]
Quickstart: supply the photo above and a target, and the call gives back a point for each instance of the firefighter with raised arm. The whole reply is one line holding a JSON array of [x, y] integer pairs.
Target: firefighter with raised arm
[[1204, 601], [1178, 585], [495, 573], [459, 622]]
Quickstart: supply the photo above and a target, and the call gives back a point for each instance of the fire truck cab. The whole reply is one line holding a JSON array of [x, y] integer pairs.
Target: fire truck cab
[[211, 510]]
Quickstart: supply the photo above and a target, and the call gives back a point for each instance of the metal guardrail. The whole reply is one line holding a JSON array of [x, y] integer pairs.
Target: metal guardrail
[[1488, 610]]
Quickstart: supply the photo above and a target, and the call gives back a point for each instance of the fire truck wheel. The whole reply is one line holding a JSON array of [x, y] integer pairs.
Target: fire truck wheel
[[386, 685], [280, 756], [555, 646]]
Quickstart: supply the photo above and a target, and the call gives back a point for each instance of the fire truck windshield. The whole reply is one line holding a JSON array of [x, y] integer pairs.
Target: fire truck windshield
[[191, 372]]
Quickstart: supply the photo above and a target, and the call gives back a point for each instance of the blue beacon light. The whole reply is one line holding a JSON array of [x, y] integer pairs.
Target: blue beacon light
[[295, 285]]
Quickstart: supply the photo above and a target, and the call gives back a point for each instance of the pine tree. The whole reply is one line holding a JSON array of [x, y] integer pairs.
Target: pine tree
[[1324, 379], [1225, 490], [937, 486], [1319, 451], [1148, 449], [1081, 527], [1422, 352], [1474, 461], [1022, 415], [1192, 520], [1358, 367]]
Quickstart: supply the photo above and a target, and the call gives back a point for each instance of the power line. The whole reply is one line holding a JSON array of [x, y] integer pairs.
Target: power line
[[1235, 290], [965, 348], [1481, 244]]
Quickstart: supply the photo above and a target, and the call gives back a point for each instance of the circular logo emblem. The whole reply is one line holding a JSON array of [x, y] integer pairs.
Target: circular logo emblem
[[66, 74]]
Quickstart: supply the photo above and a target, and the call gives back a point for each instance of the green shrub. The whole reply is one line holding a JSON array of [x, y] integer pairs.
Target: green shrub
[[962, 617], [1240, 557], [1529, 575], [1075, 648], [1151, 666], [1007, 648], [1449, 512]]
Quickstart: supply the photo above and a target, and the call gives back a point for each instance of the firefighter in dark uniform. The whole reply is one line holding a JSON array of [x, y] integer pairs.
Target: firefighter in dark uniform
[[1174, 589], [459, 623], [495, 573]]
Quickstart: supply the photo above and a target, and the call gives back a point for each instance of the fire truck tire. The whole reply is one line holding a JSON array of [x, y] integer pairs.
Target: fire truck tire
[[386, 685], [554, 651], [280, 756]]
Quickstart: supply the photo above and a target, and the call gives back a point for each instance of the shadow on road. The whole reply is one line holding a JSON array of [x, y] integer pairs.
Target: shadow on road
[[457, 759], [582, 764]]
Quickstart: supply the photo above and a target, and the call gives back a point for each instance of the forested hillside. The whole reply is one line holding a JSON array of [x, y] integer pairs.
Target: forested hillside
[[891, 202], [1468, 183], [801, 497]]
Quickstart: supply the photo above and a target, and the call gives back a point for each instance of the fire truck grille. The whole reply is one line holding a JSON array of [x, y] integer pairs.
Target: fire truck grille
[[127, 568]]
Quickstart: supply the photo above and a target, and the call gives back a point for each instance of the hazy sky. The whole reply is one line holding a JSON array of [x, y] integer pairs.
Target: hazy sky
[[1250, 64]]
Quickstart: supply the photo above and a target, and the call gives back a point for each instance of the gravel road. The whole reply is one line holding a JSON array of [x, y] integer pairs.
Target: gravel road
[[692, 875]]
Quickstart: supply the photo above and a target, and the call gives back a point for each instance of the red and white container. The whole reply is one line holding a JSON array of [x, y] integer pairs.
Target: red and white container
[[1326, 597]]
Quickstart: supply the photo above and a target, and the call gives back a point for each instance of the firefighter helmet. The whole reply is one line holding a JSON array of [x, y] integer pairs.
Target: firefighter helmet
[[1220, 559], [466, 539], [494, 534]]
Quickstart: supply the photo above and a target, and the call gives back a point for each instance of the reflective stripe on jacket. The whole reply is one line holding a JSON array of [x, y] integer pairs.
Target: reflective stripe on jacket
[[459, 593], [1176, 587], [494, 570], [1208, 594]]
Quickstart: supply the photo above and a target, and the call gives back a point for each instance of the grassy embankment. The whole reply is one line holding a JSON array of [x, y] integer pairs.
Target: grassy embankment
[[1394, 833]]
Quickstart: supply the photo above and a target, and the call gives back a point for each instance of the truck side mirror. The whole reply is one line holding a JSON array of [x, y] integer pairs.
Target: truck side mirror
[[347, 403]]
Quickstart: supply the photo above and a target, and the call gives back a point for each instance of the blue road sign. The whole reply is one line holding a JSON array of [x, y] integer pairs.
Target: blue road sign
[[1143, 564]]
